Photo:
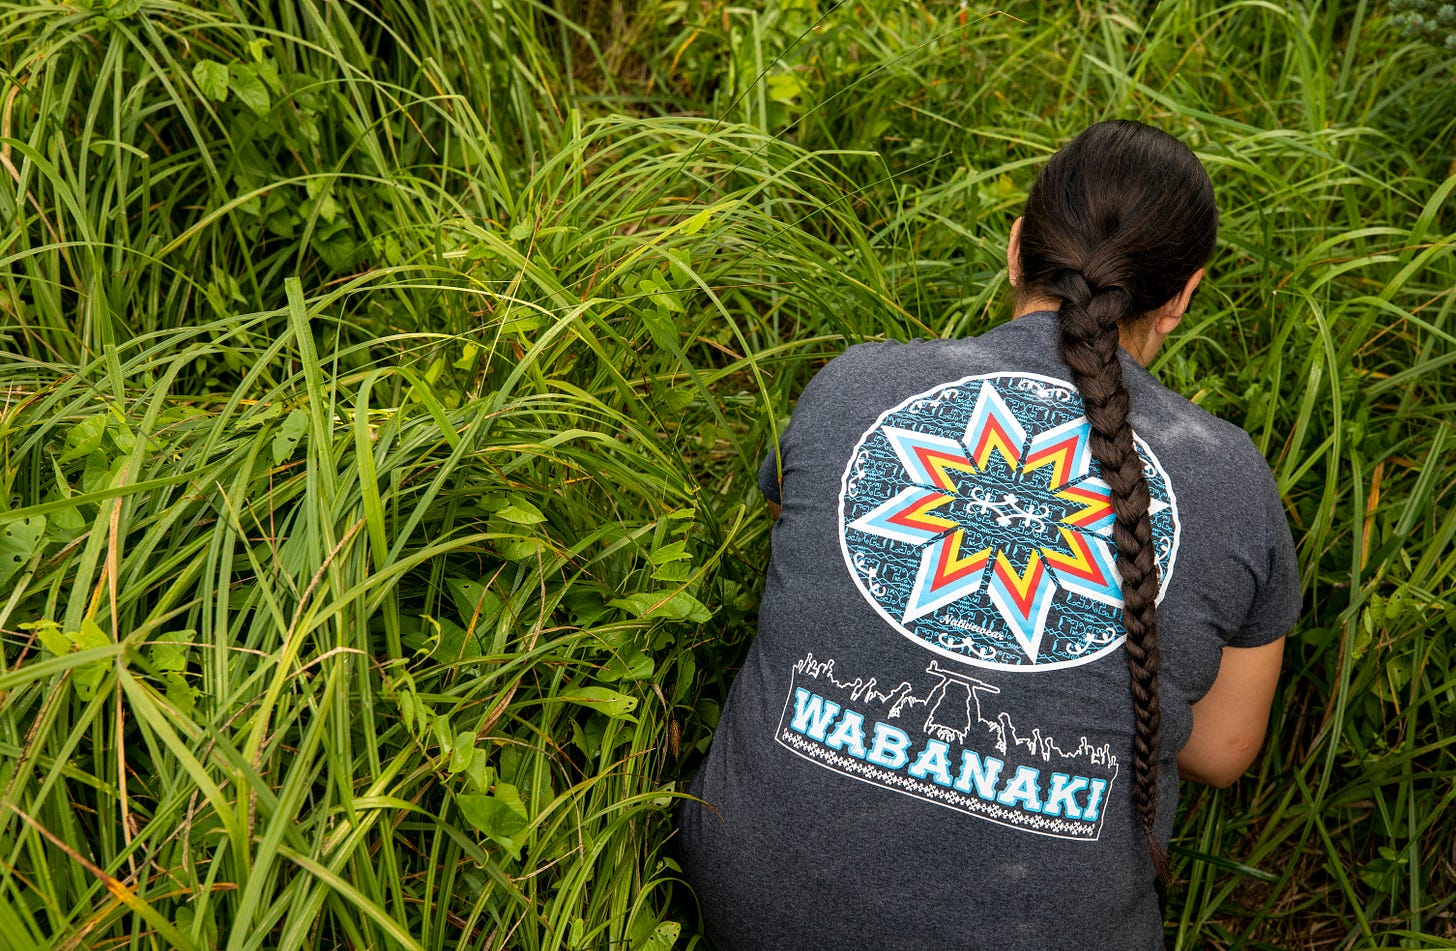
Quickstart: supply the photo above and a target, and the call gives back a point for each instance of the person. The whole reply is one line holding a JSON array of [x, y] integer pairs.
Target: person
[[1017, 588]]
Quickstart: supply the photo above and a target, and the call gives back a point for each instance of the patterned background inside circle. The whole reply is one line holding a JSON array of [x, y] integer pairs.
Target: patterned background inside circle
[[973, 517]]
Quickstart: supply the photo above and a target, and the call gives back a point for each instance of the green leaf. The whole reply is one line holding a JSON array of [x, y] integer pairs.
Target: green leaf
[[664, 296], [393, 254], [500, 816], [662, 328], [212, 78], [681, 260], [613, 703], [473, 601], [522, 230], [181, 694], [522, 548], [451, 643], [521, 321], [50, 636], [468, 352], [321, 193], [169, 651], [696, 223], [409, 709], [288, 435], [673, 551], [671, 605], [268, 72], [521, 512], [91, 635], [464, 752], [673, 562], [66, 523], [584, 606], [685, 681], [588, 736], [479, 773], [98, 472], [84, 438], [629, 664], [20, 539], [249, 87], [88, 677], [441, 727], [784, 88], [662, 938], [675, 572], [122, 436]]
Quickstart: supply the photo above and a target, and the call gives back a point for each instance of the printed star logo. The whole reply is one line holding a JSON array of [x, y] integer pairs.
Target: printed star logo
[[1013, 513]]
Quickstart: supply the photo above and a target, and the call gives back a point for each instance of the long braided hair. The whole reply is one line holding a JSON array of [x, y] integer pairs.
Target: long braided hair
[[1114, 226]]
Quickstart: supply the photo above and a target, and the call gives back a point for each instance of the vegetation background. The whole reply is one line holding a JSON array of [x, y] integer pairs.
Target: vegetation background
[[381, 386]]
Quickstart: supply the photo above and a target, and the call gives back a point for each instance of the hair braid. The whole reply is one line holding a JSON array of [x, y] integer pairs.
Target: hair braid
[[1089, 322], [1115, 226]]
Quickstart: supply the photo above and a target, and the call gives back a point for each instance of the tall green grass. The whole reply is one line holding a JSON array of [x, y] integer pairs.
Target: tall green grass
[[383, 384]]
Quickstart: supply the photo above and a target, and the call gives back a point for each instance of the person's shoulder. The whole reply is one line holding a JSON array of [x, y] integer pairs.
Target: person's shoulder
[[1193, 437], [1215, 429]]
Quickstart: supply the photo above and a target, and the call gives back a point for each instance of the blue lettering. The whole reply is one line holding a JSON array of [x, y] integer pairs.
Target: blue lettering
[[982, 774], [1023, 789], [933, 763], [849, 735], [890, 746], [812, 714], [1094, 800], [1064, 793]]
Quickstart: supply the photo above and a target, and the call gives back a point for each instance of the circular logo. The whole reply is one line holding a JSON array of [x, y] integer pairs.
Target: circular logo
[[973, 517]]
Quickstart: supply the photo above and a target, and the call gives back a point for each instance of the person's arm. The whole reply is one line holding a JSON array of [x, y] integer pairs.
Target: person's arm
[[1230, 721], [774, 509]]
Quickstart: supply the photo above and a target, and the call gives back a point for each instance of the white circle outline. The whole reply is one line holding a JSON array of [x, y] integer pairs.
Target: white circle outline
[[1144, 450]]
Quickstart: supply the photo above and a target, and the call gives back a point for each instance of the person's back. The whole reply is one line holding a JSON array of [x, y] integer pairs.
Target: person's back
[[932, 740]]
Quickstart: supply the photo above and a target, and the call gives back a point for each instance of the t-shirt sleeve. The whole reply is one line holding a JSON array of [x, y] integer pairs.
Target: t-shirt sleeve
[[768, 469], [1277, 598], [819, 397]]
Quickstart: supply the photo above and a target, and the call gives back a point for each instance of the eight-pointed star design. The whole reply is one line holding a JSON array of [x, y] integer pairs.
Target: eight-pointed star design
[[1018, 513]]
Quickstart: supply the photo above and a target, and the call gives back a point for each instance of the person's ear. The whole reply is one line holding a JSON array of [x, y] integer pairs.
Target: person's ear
[[1013, 254], [1171, 313]]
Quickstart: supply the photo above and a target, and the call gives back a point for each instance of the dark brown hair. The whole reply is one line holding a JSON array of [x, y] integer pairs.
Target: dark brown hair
[[1115, 225]]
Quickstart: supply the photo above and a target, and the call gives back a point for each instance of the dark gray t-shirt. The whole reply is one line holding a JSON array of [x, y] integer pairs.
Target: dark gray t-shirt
[[930, 742]]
